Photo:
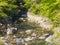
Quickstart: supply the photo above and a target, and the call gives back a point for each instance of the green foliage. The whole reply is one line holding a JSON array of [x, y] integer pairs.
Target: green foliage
[[7, 8], [33, 6], [48, 8], [2, 42], [57, 31]]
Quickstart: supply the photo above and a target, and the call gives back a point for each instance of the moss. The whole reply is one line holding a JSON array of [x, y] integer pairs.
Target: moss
[[2, 42]]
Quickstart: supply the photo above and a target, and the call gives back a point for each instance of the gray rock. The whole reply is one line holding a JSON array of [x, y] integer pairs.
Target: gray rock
[[50, 38]]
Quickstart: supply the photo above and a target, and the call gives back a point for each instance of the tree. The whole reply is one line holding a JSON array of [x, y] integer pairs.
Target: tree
[[7, 8], [11, 8]]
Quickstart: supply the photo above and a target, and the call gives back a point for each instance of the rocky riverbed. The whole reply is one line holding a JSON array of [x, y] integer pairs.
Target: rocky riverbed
[[27, 33], [35, 31]]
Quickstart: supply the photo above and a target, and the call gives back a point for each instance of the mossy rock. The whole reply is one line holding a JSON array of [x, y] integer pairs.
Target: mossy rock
[[12, 41], [2, 42], [57, 31]]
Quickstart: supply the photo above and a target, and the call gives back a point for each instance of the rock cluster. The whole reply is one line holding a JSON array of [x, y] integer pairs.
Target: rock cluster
[[42, 21], [18, 40]]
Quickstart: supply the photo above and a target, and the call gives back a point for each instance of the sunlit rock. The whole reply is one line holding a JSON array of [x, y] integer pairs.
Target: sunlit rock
[[41, 37], [23, 41], [8, 38], [26, 43], [2, 38], [9, 31], [46, 34], [21, 18], [6, 44], [8, 25], [42, 21], [50, 38], [46, 26], [14, 36], [28, 38], [0, 23], [13, 40], [13, 28], [18, 40], [33, 35], [22, 32], [28, 31]]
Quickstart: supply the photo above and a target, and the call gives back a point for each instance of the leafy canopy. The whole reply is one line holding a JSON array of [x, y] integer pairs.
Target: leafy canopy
[[7, 7]]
